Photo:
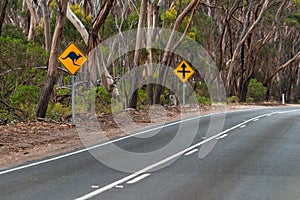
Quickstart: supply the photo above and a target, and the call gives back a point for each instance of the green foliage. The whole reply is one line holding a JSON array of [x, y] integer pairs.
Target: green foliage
[[164, 98], [62, 91], [201, 28], [250, 100], [19, 77], [232, 99], [102, 100], [4, 114], [70, 33], [58, 111], [142, 98], [256, 90], [25, 93], [13, 32], [203, 100], [26, 97]]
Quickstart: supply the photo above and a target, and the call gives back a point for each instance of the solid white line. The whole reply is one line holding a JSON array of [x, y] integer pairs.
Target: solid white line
[[150, 167], [123, 138], [191, 152], [222, 136], [288, 111], [137, 179]]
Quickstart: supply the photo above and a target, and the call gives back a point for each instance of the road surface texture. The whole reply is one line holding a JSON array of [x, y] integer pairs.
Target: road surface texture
[[257, 156]]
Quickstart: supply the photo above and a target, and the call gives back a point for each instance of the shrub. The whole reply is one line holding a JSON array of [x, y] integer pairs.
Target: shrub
[[165, 97], [142, 98], [256, 90], [232, 99], [203, 100], [103, 100], [250, 100], [26, 97], [57, 111]]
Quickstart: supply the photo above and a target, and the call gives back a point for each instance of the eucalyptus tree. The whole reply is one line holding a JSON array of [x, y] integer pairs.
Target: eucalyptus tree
[[52, 62]]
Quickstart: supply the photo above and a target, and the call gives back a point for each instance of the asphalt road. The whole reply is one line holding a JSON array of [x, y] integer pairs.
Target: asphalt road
[[256, 155]]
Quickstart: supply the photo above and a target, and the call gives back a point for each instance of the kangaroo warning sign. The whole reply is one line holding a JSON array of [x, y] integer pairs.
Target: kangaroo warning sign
[[72, 58], [184, 71]]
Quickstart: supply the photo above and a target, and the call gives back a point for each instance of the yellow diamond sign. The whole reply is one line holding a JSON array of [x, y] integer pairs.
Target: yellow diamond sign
[[184, 71], [72, 58]]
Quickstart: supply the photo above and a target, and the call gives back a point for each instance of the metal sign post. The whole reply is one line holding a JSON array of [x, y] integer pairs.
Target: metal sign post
[[183, 93], [73, 100], [72, 58]]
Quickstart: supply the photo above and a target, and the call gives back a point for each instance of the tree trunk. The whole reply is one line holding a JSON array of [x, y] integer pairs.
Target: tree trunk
[[137, 55], [46, 18], [242, 85], [159, 87], [153, 12], [2, 14], [78, 25], [52, 63], [98, 22], [268, 91], [93, 41], [247, 30], [33, 21]]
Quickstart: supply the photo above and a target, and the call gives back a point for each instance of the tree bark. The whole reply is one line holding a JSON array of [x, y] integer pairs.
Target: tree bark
[[281, 67], [33, 21], [153, 12], [245, 34], [98, 22], [137, 55], [46, 17], [78, 25], [2, 14], [52, 62], [93, 41], [171, 42], [106, 79]]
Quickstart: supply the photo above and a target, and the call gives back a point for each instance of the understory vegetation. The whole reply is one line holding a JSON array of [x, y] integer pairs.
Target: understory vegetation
[[255, 45]]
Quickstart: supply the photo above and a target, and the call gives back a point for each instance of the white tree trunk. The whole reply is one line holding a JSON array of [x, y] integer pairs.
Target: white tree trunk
[[32, 27], [85, 36]]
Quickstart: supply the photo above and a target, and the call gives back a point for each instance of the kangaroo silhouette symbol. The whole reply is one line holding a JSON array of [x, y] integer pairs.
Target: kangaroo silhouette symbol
[[73, 56]]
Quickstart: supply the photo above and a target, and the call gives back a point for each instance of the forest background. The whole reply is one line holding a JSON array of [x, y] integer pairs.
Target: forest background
[[255, 45]]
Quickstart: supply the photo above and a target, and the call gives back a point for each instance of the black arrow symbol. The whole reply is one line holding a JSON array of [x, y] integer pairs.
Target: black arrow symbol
[[183, 71]]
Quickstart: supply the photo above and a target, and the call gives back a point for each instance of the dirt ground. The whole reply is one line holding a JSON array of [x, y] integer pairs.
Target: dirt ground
[[26, 141]]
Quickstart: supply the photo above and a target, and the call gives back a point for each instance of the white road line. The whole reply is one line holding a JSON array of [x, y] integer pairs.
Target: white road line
[[125, 137], [243, 126], [191, 152], [150, 167], [116, 140], [255, 120], [119, 186], [222, 136], [139, 178]]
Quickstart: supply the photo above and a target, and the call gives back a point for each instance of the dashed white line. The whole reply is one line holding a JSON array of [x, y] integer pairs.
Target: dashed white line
[[222, 136], [191, 152], [243, 126], [150, 167], [119, 139], [137, 179]]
